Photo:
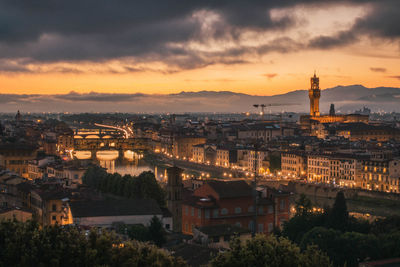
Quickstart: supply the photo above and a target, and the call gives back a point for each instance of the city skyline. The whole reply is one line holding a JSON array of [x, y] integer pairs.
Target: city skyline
[[255, 48]]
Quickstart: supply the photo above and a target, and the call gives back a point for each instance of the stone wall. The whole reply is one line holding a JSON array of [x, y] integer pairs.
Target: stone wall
[[326, 191]]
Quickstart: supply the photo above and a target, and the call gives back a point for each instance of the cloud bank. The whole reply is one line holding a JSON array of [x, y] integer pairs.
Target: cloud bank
[[177, 35]]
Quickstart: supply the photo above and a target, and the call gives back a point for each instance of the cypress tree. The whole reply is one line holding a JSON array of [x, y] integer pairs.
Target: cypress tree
[[339, 215]]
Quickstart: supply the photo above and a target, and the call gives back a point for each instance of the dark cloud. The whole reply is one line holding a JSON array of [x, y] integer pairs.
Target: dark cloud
[[377, 69], [327, 42], [394, 77], [382, 21], [158, 30]]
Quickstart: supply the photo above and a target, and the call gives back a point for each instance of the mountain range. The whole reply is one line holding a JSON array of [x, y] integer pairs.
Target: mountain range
[[346, 99]]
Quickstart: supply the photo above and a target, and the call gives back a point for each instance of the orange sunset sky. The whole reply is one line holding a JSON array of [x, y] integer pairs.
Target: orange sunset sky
[[201, 47]]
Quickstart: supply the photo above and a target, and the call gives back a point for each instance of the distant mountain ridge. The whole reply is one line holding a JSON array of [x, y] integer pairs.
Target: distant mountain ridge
[[346, 99]]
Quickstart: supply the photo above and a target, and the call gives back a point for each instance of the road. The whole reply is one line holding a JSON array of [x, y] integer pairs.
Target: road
[[127, 134]]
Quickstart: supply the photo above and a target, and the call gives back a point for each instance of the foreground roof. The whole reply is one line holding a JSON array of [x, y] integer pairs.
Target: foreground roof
[[222, 230], [115, 208], [231, 189]]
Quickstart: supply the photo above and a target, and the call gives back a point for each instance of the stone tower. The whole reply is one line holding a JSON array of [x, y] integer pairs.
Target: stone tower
[[314, 93], [332, 110], [174, 197], [18, 117]]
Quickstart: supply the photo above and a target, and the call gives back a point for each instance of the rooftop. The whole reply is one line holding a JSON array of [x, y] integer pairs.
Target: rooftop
[[115, 208], [222, 230], [231, 189]]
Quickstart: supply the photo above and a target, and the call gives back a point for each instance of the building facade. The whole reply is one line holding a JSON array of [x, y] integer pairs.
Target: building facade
[[220, 202]]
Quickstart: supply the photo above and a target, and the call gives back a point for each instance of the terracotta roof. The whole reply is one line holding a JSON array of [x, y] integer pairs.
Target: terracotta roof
[[231, 189], [115, 208], [7, 209]]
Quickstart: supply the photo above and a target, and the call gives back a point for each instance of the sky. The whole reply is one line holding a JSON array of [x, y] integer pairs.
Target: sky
[[255, 47]]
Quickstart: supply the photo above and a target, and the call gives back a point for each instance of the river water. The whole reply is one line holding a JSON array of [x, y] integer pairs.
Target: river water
[[128, 162]]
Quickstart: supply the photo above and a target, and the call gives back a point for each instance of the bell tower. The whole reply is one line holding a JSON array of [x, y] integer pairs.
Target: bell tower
[[314, 93], [174, 198]]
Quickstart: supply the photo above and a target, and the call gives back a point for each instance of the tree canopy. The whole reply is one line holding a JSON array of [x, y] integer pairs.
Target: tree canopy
[[144, 185], [269, 251], [26, 244], [346, 239], [154, 233]]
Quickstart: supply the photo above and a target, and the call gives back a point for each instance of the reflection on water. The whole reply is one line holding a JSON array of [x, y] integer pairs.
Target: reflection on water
[[128, 162], [133, 168]]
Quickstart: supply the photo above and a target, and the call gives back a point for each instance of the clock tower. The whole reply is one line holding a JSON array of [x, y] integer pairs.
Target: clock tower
[[314, 93]]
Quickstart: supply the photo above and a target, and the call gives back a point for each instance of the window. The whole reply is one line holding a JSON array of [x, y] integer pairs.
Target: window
[[251, 225], [186, 210], [54, 207], [207, 214], [167, 226], [260, 227], [215, 213], [199, 213], [282, 204], [53, 218], [260, 210], [250, 209], [270, 227], [238, 210], [192, 211], [238, 224], [224, 211], [270, 209]]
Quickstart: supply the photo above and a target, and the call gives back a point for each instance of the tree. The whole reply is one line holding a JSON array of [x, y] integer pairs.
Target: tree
[[156, 231], [339, 216], [27, 244], [303, 206], [343, 248], [296, 227], [138, 232], [143, 186], [274, 162], [269, 251]]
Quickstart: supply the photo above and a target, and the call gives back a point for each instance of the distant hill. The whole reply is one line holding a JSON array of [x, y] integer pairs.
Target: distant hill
[[345, 98]]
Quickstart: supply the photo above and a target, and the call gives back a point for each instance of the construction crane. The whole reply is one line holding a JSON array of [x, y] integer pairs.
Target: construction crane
[[263, 106]]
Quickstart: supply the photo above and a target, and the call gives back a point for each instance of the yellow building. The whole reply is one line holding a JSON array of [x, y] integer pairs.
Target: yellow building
[[16, 157], [65, 142], [15, 213], [318, 168], [381, 175], [49, 205], [183, 145], [222, 157], [294, 164], [198, 153]]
